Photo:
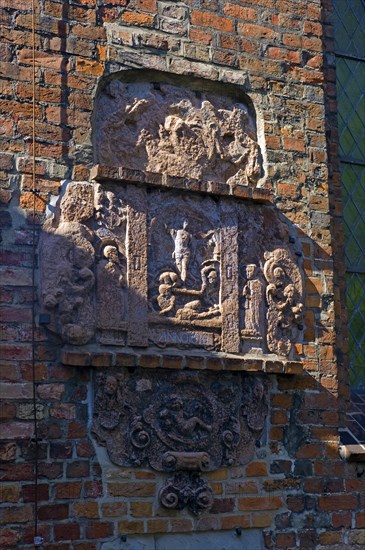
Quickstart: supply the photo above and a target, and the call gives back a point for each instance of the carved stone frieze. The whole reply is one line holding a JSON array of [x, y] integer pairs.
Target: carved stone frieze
[[187, 490], [175, 421], [177, 129], [125, 265]]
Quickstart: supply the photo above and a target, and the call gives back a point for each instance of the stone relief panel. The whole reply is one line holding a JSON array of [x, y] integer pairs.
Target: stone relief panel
[[172, 421], [126, 265], [67, 256], [172, 129], [184, 241]]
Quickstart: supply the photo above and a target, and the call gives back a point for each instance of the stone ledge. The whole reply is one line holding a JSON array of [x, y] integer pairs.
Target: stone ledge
[[171, 359], [352, 453], [101, 173]]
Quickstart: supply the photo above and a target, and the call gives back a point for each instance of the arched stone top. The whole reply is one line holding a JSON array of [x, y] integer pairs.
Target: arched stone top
[[177, 126]]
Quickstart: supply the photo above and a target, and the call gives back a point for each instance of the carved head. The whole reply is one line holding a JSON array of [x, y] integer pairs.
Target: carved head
[[111, 253], [212, 277], [279, 276], [250, 271], [111, 385]]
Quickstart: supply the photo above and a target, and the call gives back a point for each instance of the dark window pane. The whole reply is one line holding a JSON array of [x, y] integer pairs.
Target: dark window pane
[[349, 20]]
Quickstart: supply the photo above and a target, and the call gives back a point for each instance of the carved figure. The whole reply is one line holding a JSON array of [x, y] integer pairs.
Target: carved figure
[[166, 299], [108, 403], [175, 417], [253, 293], [255, 405], [181, 255], [110, 289], [283, 295], [67, 288]]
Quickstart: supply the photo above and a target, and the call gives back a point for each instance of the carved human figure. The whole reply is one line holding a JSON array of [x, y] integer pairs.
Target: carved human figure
[[254, 406], [108, 402], [207, 303], [166, 299], [210, 287], [283, 298], [67, 292], [253, 293], [110, 289], [174, 417], [182, 240]]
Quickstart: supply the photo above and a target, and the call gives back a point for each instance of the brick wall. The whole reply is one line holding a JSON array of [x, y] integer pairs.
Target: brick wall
[[296, 489]]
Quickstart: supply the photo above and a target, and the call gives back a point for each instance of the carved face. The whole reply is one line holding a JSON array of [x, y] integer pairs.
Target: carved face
[[111, 385], [212, 277], [111, 253], [279, 276], [250, 271]]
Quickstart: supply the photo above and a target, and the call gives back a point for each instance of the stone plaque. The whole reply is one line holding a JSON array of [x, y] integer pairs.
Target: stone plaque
[[184, 129], [172, 269], [178, 421], [163, 253]]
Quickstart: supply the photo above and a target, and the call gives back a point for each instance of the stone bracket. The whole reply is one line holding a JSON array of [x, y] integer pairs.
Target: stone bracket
[[187, 490]]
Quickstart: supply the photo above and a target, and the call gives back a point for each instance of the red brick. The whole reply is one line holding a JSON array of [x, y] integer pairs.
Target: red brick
[[16, 514], [51, 391], [131, 489], [257, 31], [9, 538], [99, 530], [338, 502], [66, 531], [259, 503], [204, 19], [68, 490], [29, 492], [79, 468], [9, 493], [53, 512]]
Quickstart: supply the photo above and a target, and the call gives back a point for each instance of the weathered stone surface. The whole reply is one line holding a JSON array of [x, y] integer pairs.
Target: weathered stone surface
[[178, 421], [177, 129], [67, 267], [187, 490], [283, 294], [171, 269]]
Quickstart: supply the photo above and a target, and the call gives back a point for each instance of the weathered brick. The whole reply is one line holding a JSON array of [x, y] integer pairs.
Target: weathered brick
[[131, 489]]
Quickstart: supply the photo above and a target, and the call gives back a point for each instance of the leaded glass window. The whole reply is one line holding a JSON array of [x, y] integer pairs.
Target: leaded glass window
[[349, 23]]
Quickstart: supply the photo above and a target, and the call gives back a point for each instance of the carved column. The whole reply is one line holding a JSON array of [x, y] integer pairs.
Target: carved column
[[229, 281], [137, 266]]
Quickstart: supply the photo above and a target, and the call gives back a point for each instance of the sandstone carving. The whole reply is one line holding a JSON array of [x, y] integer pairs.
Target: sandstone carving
[[111, 289], [67, 266], [283, 294], [181, 254], [253, 293], [123, 265], [175, 421], [173, 130], [187, 490]]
